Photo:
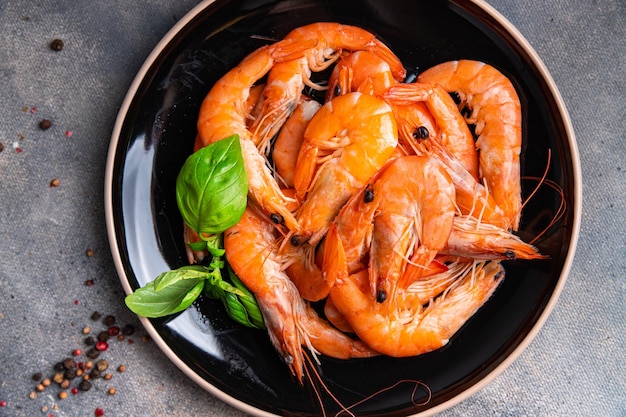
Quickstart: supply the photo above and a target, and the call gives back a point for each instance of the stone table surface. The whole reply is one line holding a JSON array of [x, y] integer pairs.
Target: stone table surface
[[53, 239]]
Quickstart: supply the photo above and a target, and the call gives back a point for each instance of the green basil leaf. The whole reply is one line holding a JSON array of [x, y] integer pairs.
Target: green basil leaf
[[184, 272], [248, 300], [212, 187], [148, 302], [236, 310]]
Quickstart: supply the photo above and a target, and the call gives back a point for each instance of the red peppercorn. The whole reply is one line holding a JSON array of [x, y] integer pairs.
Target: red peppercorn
[[74, 390], [99, 412], [77, 352], [100, 345], [3, 403], [114, 331]]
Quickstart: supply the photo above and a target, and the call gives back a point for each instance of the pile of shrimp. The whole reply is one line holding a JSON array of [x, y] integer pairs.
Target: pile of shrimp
[[376, 204]]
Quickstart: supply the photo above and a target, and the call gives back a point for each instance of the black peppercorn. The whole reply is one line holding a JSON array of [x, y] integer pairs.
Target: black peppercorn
[[56, 44], [84, 385], [128, 330], [92, 353], [69, 363], [103, 336], [45, 124], [109, 321]]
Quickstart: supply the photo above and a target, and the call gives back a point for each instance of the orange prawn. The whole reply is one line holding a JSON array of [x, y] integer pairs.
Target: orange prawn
[[289, 140], [408, 327], [348, 140], [453, 132], [292, 324], [496, 113], [224, 112], [361, 71], [333, 38]]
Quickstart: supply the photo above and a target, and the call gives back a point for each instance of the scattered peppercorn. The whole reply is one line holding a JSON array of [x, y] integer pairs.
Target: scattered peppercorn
[[37, 376], [89, 282], [56, 45], [84, 385], [121, 368], [112, 391], [90, 341], [102, 365], [128, 329], [3, 403], [58, 377], [86, 330], [113, 331], [1, 147], [89, 252], [107, 376], [104, 336], [101, 346], [40, 387], [32, 395], [109, 321], [45, 124], [74, 390], [59, 367], [95, 315], [92, 353], [55, 182], [46, 382], [69, 363], [62, 395], [77, 352], [99, 412], [65, 384]]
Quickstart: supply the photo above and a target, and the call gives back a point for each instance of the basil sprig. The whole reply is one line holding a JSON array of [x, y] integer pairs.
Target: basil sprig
[[211, 192]]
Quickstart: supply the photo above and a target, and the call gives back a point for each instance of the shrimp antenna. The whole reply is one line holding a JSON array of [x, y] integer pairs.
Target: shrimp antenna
[[560, 212], [417, 385], [311, 372]]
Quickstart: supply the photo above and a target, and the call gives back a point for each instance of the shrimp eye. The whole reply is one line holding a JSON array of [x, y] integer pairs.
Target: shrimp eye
[[297, 240], [337, 90], [381, 296], [421, 133], [368, 197], [277, 218]]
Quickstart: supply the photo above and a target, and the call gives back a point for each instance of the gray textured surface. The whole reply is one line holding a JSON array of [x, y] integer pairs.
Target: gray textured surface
[[576, 366]]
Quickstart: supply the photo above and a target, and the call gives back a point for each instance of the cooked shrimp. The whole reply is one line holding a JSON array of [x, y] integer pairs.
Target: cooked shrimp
[[279, 99], [474, 239], [292, 324], [414, 200], [360, 71], [334, 37], [496, 112], [453, 132], [407, 327], [224, 112], [289, 140], [348, 140]]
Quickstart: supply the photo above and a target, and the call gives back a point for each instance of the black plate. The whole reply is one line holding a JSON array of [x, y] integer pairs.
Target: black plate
[[155, 133]]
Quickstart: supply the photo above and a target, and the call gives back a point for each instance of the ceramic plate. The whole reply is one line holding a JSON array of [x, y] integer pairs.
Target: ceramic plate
[[154, 134]]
